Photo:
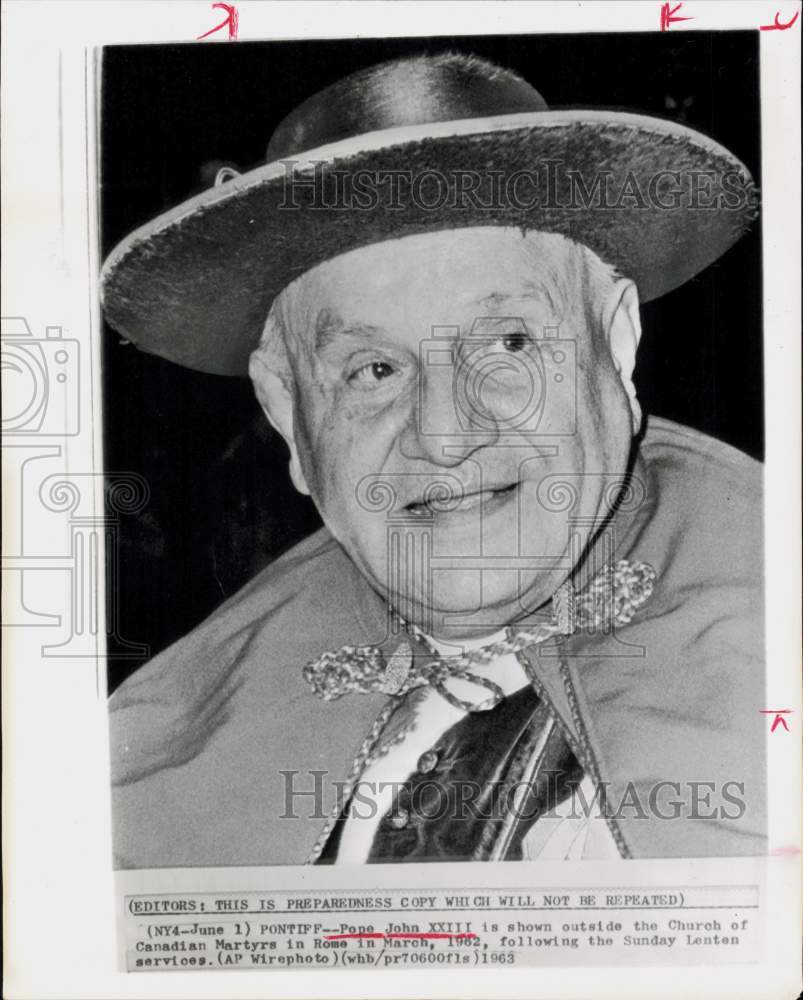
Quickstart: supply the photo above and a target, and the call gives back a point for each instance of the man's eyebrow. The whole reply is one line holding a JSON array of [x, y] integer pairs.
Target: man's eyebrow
[[330, 328], [537, 292]]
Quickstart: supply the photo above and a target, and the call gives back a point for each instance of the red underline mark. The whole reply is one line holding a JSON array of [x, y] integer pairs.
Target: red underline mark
[[399, 934], [787, 851], [777, 24]]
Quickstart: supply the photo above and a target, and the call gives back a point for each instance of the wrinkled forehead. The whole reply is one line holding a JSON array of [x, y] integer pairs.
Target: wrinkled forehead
[[437, 279]]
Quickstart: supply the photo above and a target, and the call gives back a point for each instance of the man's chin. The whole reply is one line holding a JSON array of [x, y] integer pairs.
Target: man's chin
[[484, 604]]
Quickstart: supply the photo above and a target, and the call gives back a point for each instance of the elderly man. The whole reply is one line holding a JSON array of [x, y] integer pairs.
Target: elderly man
[[531, 628]]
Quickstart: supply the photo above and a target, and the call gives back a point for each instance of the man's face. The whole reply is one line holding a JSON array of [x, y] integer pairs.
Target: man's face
[[446, 385]]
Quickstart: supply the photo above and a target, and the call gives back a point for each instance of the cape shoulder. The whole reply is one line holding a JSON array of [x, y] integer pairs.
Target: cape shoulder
[[675, 695], [310, 599]]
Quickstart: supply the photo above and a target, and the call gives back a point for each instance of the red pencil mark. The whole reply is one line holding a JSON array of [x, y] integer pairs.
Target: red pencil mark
[[779, 719], [667, 16], [232, 20], [787, 851], [398, 934], [777, 25]]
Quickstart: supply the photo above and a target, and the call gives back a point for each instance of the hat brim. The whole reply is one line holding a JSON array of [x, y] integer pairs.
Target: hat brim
[[195, 284]]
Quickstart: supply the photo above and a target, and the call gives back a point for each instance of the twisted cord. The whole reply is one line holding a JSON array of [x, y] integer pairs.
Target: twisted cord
[[614, 595], [367, 754]]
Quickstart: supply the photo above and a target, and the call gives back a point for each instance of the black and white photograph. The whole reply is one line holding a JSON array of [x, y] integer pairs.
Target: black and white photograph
[[442, 359], [401, 445]]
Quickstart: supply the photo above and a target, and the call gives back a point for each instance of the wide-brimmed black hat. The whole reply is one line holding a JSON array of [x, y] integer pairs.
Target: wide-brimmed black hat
[[412, 146]]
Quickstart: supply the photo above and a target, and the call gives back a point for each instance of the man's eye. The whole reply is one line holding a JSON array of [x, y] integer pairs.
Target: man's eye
[[372, 373], [515, 342]]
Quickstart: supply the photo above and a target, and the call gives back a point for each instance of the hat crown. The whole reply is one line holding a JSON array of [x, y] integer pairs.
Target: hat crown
[[413, 91]]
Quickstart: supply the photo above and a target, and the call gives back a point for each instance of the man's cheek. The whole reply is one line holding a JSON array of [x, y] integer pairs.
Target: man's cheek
[[318, 450], [310, 467], [335, 478]]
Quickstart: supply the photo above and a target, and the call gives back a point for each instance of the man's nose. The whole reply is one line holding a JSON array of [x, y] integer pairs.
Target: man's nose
[[441, 430]]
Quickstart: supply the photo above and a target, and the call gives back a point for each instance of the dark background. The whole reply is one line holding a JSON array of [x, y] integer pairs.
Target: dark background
[[221, 505]]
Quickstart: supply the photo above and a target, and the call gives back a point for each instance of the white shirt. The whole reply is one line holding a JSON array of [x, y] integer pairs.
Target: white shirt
[[565, 833]]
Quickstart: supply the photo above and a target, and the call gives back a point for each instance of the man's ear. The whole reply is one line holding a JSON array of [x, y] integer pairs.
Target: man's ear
[[276, 400], [621, 324]]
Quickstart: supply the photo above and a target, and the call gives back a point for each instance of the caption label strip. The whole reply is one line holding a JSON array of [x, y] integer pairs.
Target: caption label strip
[[413, 928]]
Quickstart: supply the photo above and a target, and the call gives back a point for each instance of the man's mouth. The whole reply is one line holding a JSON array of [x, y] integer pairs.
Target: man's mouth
[[450, 502]]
